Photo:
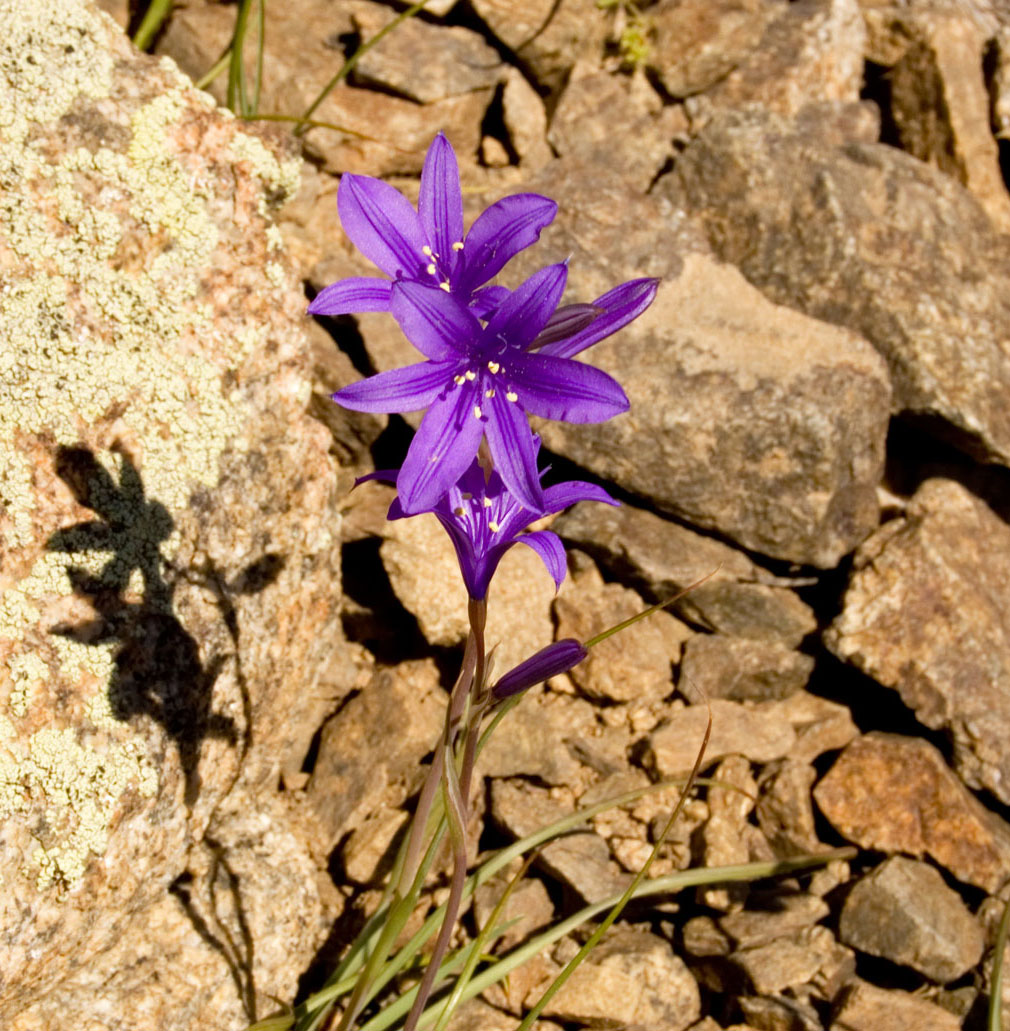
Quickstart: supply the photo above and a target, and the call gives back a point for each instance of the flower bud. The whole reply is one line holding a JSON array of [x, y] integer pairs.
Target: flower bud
[[556, 658]]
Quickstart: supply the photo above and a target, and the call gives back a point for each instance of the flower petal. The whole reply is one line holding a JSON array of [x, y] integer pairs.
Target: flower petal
[[357, 293], [440, 203], [433, 320], [525, 312], [570, 391], [562, 495], [381, 223], [486, 301], [620, 306], [556, 658], [441, 450], [549, 547], [499, 234], [515, 458], [399, 390], [568, 320]]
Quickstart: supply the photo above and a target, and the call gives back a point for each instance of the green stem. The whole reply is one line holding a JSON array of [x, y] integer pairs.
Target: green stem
[[995, 1022], [154, 17]]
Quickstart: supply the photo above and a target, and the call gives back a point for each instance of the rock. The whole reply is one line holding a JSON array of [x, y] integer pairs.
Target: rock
[[421, 61], [787, 962], [631, 666], [231, 936], [630, 978], [869, 1008], [526, 121], [664, 557], [784, 809], [896, 794], [580, 860], [757, 733], [786, 915], [941, 107], [869, 238], [717, 666], [367, 855], [905, 912], [732, 393], [811, 52], [727, 838], [540, 738], [821, 725], [424, 571], [696, 43], [370, 752], [547, 36], [170, 585], [925, 613], [529, 906], [779, 1013], [477, 1015], [383, 134]]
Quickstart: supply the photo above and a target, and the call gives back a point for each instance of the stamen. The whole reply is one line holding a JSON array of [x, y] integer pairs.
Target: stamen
[[489, 393], [431, 270], [444, 286], [459, 380], [493, 526], [467, 496], [493, 366], [458, 245], [426, 251], [476, 411], [471, 375], [457, 511], [512, 396], [487, 502]]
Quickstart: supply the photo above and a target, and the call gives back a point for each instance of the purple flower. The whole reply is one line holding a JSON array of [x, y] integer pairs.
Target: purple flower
[[556, 658], [427, 246], [482, 380], [483, 520]]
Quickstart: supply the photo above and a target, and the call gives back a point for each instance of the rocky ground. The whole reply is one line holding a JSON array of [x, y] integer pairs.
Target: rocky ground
[[224, 669]]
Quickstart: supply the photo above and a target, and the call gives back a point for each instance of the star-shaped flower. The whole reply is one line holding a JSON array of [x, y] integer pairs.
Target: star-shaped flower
[[484, 519], [427, 246], [482, 380]]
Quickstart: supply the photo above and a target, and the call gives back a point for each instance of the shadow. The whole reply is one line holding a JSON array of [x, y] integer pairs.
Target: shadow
[[158, 672]]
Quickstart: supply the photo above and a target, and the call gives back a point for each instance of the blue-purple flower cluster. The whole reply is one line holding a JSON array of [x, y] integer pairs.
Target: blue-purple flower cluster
[[493, 357]]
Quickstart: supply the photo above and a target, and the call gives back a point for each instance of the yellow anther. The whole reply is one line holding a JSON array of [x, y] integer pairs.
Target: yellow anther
[[471, 375], [426, 251], [512, 396], [459, 380], [487, 502], [457, 511], [494, 527], [444, 286], [489, 393], [458, 245], [431, 270], [467, 496], [493, 366], [476, 411]]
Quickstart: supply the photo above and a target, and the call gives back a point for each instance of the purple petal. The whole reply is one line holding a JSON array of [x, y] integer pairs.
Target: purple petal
[[499, 234], [486, 301], [562, 495], [620, 306], [515, 458], [556, 658], [566, 390], [399, 390], [358, 293], [433, 320], [568, 320], [381, 223], [549, 547], [527, 309], [440, 203], [441, 450], [382, 475]]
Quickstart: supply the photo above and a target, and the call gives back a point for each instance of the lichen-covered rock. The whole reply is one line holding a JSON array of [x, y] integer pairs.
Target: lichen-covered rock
[[168, 587]]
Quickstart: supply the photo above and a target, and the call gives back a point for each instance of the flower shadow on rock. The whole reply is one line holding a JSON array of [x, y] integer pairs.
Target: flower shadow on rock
[[158, 672]]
